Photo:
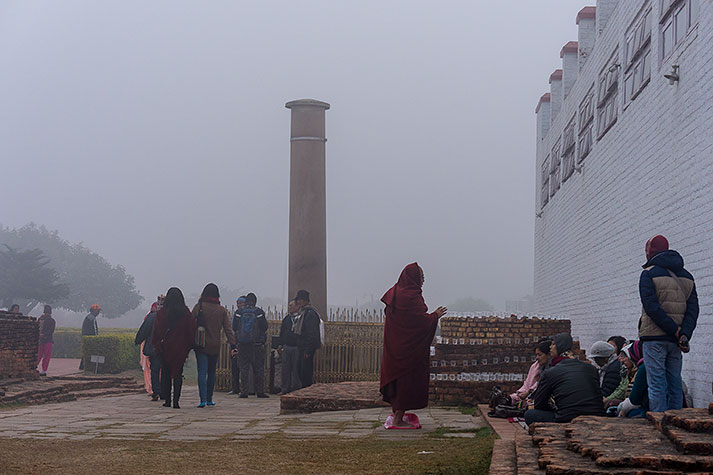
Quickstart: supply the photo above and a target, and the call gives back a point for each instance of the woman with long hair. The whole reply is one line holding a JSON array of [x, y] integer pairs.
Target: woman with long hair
[[408, 333], [211, 316], [173, 337]]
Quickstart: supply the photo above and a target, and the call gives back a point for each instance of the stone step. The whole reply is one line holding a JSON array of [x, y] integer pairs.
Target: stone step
[[503, 460], [692, 420], [692, 443], [526, 455]]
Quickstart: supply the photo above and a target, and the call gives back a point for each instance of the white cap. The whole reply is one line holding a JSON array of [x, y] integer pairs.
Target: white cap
[[600, 349]]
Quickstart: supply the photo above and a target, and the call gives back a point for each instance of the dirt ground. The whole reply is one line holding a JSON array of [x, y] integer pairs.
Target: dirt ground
[[276, 454]]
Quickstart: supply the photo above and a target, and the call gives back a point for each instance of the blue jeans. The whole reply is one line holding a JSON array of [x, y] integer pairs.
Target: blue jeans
[[663, 362], [538, 415], [206, 375]]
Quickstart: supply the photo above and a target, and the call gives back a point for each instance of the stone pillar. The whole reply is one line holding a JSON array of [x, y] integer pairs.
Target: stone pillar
[[308, 205], [556, 94], [587, 35], [570, 66]]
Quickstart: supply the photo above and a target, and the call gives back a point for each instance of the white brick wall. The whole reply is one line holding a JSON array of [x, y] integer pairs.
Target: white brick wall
[[651, 173]]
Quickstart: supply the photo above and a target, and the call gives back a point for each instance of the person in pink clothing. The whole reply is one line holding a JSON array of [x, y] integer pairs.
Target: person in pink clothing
[[44, 349], [542, 357]]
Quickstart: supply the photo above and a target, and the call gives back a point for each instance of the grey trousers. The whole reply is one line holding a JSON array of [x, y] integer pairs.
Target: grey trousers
[[251, 358], [290, 377]]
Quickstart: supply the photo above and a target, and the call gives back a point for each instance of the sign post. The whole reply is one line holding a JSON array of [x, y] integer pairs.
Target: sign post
[[96, 359]]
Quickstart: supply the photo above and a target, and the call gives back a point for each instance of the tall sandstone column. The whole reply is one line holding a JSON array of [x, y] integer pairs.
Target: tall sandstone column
[[308, 205]]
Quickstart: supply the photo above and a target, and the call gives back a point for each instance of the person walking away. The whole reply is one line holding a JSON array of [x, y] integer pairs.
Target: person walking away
[[573, 384], [306, 327], [252, 330], [408, 334], [290, 353], [234, 366], [44, 349], [668, 319], [173, 336], [542, 357], [213, 317], [149, 354], [605, 359], [89, 326]]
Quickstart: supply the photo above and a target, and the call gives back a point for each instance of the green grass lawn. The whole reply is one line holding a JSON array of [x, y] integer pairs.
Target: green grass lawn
[[432, 455]]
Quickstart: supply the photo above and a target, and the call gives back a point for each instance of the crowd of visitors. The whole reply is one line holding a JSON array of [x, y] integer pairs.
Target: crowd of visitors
[[623, 378], [170, 331]]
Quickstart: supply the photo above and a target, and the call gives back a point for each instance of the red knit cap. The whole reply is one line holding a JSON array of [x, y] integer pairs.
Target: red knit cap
[[655, 245]]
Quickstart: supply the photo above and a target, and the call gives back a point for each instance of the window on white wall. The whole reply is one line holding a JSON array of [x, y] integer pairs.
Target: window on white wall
[[637, 66], [568, 146], [586, 124], [608, 92], [678, 18], [545, 180], [555, 169]]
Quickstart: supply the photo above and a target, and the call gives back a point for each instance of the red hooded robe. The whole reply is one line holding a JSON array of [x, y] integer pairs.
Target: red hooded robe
[[408, 333]]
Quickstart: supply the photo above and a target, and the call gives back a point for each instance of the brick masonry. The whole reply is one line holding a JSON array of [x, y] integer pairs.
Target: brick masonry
[[674, 442], [19, 335], [474, 354], [651, 173]]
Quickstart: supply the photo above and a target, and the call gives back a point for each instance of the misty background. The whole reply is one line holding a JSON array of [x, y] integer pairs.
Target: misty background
[[155, 134]]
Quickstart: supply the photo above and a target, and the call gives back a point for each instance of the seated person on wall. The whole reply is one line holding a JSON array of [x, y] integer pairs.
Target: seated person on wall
[[542, 357], [618, 342], [604, 358], [573, 384], [628, 373], [636, 403]]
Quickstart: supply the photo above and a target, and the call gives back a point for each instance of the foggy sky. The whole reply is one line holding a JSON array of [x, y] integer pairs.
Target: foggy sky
[[156, 134]]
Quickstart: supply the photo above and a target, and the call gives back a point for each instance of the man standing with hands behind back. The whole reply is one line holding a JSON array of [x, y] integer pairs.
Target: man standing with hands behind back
[[669, 316]]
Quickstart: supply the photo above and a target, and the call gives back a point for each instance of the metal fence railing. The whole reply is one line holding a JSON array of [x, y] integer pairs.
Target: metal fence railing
[[351, 351]]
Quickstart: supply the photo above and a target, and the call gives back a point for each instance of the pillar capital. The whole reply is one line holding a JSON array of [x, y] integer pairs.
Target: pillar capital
[[307, 103]]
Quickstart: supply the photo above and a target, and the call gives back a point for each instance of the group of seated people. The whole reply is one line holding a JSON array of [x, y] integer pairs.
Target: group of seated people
[[559, 386]]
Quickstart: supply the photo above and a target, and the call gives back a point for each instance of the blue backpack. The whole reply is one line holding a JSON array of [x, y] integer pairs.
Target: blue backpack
[[248, 326]]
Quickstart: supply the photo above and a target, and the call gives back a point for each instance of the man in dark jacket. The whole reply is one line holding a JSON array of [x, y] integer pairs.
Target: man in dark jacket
[[290, 353], [607, 363], [89, 326], [144, 336], [668, 319], [234, 365], [251, 336], [573, 384], [308, 336]]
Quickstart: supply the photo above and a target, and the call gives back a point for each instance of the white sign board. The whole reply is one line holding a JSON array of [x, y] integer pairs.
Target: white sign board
[[97, 359]]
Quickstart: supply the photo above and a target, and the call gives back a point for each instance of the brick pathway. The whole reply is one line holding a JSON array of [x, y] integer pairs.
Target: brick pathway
[[136, 417]]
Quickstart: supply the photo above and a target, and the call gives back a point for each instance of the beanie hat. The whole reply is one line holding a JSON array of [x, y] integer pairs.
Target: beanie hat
[[563, 342], [601, 349], [634, 352], [655, 245], [48, 309], [95, 307]]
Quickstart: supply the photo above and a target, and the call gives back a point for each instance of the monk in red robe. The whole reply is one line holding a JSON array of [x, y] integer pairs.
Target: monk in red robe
[[408, 333]]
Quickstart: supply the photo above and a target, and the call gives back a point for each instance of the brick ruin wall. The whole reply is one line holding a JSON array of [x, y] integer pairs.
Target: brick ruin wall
[[474, 354], [19, 335]]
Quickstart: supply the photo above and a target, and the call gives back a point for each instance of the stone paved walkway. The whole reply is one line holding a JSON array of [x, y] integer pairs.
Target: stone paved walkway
[[136, 417]]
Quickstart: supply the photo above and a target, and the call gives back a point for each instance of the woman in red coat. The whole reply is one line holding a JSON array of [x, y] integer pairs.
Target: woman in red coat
[[408, 333], [173, 337]]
